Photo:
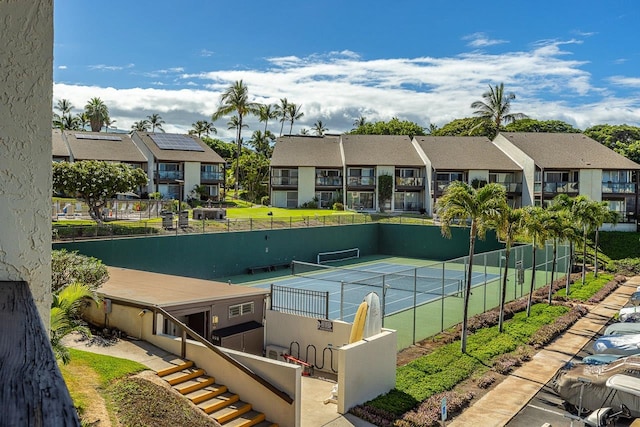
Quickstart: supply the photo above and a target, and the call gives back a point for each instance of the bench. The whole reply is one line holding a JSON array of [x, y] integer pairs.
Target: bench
[[272, 267]]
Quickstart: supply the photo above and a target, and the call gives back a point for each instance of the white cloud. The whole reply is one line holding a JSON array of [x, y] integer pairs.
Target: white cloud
[[103, 67], [62, 67], [206, 52], [337, 87], [482, 40]]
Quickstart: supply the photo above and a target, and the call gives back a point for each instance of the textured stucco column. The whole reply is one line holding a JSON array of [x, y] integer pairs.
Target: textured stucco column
[[26, 85]]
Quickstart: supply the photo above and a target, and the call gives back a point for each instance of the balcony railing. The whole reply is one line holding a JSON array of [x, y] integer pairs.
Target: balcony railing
[[169, 175], [329, 181], [619, 187], [284, 180], [409, 182], [511, 187], [211, 176], [561, 187], [361, 181], [442, 185], [408, 206]]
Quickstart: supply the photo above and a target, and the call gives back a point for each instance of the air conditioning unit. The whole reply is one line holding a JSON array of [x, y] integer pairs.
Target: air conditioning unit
[[276, 352]]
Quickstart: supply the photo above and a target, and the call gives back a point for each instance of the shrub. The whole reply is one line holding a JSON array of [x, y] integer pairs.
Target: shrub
[[606, 290], [265, 201], [626, 266], [486, 380], [71, 267], [428, 413], [505, 363], [338, 206], [549, 332]]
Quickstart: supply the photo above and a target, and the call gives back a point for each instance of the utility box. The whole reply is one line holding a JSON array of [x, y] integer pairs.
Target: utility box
[[183, 219], [167, 219]]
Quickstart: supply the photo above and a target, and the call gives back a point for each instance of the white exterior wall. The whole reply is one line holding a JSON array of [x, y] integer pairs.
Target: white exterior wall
[[306, 184], [590, 181], [26, 70], [151, 165], [525, 162], [191, 177], [385, 170]]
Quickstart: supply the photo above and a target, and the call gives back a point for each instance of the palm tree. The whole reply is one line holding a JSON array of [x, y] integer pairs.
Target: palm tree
[[360, 121], [282, 112], [202, 127], [495, 108], [267, 112], [108, 123], [602, 215], [560, 228], [262, 143], [65, 106], [141, 126], [510, 223], [304, 131], [536, 226], [236, 98], [83, 120], [460, 201], [65, 315], [294, 114], [156, 122], [319, 128], [97, 113]]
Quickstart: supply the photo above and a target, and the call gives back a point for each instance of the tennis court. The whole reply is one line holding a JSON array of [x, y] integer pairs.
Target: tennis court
[[399, 286]]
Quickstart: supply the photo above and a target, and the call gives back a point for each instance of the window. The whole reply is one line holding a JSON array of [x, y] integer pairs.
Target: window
[[360, 200], [362, 176], [240, 309]]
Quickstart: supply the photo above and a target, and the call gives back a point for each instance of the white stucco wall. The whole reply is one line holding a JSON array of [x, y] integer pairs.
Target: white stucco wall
[[591, 183], [306, 184], [191, 177], [527, 164], [26, 84]]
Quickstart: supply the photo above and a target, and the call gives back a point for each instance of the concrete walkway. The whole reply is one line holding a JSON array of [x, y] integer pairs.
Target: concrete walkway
[[501, 404], [315, 390]]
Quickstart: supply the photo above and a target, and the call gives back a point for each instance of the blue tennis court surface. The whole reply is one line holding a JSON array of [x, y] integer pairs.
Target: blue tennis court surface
[[399, 286]]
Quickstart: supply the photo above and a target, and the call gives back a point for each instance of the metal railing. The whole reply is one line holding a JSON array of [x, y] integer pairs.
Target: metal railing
[[619, 187], [303, 302]]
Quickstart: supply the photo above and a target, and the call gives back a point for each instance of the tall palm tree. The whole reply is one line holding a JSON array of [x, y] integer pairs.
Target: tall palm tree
[[495, 108], [261, 142], [304, 131], [83, 120], [460, 201], [294, 114], [508, 225], [602, 214], [236, 98], [97, 113], [65, 315], [141, 126], [156, 122], [108, 123], [319, 128], [267, 112], [560, 227], [64, 106], [536, 226], [282, 111]]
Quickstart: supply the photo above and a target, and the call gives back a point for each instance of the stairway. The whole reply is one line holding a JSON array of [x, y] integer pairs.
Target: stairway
[[214, 399]]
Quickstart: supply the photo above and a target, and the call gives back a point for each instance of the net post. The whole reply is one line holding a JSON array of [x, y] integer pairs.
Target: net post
[[415, 301], [442, 299], [384, 299], [326, 306], [341, 299]]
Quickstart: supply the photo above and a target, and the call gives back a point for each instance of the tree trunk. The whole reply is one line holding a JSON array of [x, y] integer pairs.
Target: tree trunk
[[569, 269], [238, 149], [584, 257], [467, 291], [533, 278], [503, 295], [553, 267], [595, 261]]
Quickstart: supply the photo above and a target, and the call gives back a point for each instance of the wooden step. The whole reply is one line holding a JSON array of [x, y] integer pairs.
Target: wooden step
[[230, 412], [166, 371], [193, 384], [248, 419], [266, 424], [206, 393], [218, 402], [184, 375]]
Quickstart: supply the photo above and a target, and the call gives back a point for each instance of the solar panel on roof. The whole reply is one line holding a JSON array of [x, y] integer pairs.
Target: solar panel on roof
[[172, 141], [97, 137]]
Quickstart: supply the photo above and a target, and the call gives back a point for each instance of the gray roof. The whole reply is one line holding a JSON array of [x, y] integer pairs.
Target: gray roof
[[307, 151], [465, 153], [115, 147], [374, 150], [206, 156], [567, 151], [59, 147], [167, 290]]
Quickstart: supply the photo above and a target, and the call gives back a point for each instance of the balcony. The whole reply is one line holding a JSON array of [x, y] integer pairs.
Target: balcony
[[328, 181], [409, 207], [168, 176], [560, 187], [284, 181], [361, 181], [211, 176], [619, 187], [409, 182], [511, 187]]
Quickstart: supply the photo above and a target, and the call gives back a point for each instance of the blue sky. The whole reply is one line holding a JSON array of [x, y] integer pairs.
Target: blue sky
[[424, 61]]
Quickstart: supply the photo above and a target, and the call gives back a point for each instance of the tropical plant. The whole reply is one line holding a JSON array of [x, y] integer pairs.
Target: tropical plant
[[395, 126], [203, 127], [294, 114], [576, 211], [267, 112], [282, 111], [64, 106], [508, 225], [95, 182], [303, 131], [71, 267], [64, 120], [97, 112], [602, 215], [236, 98], [536, 227], [83, 120], [108, 122], [261, 143], [461, 202], [65, 316], [319, 128], [548, 126], [495, 108], [141, 126], [359, 122], [156, 122], [385, 189]]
